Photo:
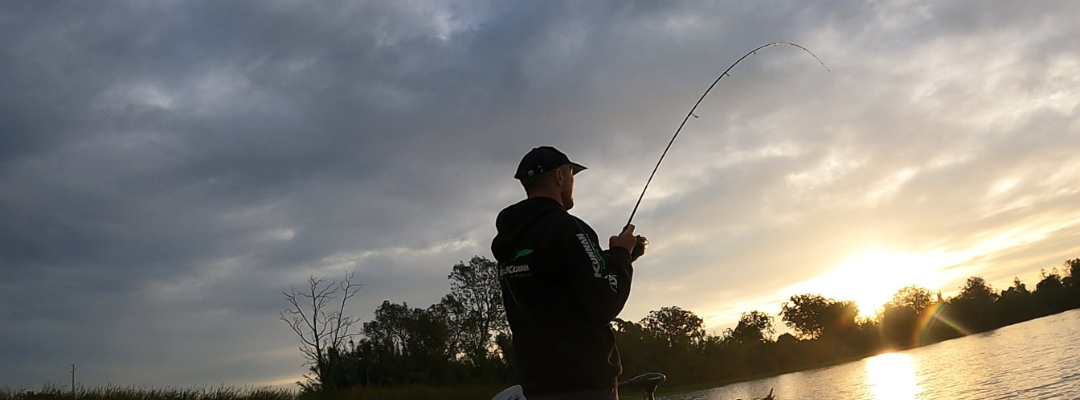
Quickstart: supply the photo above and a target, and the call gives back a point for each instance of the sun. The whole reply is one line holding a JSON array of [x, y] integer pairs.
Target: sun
[[871, 277]]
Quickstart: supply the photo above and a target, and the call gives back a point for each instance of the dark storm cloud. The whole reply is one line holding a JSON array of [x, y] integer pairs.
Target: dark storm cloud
[[167, 169], [164, 161], [147, 145]]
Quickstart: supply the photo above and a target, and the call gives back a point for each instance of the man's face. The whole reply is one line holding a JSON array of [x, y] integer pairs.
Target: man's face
[[568, 187]]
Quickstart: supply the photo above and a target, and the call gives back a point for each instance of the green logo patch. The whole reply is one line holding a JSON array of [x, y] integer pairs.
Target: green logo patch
[[521, 253]]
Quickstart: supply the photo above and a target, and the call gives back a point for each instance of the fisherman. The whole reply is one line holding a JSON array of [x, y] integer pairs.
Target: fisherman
[[560, 290]]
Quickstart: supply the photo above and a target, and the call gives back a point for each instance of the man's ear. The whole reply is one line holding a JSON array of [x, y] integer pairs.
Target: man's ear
[[560, 177]]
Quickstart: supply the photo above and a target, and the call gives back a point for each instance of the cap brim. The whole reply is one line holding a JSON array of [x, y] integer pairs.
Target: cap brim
[[575, 168]]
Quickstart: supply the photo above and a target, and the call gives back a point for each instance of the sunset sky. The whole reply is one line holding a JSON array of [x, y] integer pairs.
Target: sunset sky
[[168, 169]]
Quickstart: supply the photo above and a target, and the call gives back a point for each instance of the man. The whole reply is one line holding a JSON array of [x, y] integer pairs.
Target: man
[[560, 290]]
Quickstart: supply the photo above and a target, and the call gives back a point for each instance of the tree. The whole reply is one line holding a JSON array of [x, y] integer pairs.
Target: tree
[[1051, 294], [645, 350], [976, 290], [1072, 281], [316, 314], [403, 345], [1017, 287], [1073, 266], [973, 307], [457, 319], [805, 314], [1014, 304], [753, 327], [900, 316], [475, 307], [679, 328], [811, 316], [1049, 281], [388, 328], [914, 298]]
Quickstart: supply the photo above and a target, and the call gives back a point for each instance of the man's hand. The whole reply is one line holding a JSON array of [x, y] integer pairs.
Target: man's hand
[[639, 249], [626, 239]]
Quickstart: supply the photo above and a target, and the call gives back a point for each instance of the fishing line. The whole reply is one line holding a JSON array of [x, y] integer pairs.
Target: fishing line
[[691, 113]]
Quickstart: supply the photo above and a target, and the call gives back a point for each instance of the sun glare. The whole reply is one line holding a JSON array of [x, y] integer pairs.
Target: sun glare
[[892, 376], [871, 278]]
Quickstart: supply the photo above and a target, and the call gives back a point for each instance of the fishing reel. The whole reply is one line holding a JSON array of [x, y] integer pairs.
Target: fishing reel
[[639, 247]]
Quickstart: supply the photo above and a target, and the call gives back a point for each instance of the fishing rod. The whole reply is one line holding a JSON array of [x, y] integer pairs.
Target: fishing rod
[[691, 114]]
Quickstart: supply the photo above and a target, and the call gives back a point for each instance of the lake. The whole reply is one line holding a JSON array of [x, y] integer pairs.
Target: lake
[[1037, 359]]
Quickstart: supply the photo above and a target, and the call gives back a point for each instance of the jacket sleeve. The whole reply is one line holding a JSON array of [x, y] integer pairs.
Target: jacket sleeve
[[599, 280]]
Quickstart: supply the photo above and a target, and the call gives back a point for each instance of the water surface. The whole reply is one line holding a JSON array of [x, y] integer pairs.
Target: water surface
[[1038, 359]]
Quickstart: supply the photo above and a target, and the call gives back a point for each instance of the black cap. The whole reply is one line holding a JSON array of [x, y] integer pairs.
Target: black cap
[[543, 159]]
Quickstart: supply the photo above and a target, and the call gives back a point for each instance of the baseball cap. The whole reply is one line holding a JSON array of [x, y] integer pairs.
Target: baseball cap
[[543, 159]]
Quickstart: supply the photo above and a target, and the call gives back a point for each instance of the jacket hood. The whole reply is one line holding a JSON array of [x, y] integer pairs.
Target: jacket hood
[[516, 219]]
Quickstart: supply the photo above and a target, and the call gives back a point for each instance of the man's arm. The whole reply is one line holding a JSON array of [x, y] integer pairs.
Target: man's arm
[[600, 279]]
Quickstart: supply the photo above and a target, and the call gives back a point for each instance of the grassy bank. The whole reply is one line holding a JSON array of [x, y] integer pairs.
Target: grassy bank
[[407, 392], [411, 392], [143, 393]]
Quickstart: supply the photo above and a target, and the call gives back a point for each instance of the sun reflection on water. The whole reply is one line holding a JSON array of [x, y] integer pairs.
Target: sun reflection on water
[[892, 377]]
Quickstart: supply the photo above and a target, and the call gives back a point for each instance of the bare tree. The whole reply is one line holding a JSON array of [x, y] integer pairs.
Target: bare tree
[[317, 315]]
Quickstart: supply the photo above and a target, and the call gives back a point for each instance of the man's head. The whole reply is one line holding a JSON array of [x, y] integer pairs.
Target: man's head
[[547, 172]]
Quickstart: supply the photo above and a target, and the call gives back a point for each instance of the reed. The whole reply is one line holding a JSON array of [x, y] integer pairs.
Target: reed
[[56, 392], [407, 392]]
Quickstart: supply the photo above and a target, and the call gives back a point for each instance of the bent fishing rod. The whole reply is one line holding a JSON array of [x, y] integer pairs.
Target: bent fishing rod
[[691, 114]]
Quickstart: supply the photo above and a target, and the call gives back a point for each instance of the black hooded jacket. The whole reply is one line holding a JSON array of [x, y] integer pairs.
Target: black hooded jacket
[[561, 293]]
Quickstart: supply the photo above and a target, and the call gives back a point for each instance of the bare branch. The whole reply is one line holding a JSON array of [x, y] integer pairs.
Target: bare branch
[[315, 321]]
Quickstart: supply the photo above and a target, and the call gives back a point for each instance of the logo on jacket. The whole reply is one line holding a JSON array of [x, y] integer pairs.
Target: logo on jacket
[[591, 252], [521, 253], [613, 283], [514, 269]]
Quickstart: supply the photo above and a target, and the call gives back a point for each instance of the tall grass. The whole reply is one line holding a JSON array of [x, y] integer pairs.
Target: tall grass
[[411, 392], [142, 393]]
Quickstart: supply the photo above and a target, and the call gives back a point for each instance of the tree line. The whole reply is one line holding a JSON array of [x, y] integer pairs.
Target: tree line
[[828, 331], [464, 338]]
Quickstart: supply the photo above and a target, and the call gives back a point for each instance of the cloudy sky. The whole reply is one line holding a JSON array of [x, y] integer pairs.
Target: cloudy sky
[[168, 169]]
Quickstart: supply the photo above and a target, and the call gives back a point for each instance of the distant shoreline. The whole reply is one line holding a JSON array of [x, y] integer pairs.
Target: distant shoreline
[[663, 391]]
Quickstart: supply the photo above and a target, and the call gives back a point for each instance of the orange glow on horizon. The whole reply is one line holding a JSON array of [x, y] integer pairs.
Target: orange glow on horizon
[[870, 278]]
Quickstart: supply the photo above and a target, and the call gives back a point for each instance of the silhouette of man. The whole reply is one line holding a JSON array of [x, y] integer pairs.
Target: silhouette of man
[[560, 290]]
